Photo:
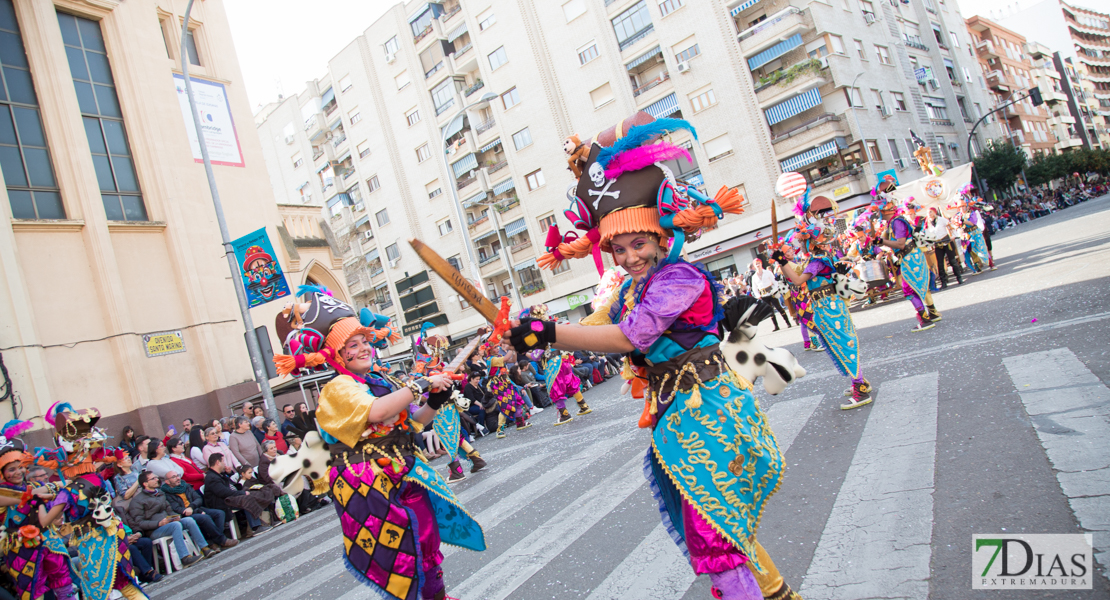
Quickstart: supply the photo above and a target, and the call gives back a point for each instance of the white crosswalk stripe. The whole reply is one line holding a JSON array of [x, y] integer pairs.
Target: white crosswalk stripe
[[1070, 409], [876, 543]]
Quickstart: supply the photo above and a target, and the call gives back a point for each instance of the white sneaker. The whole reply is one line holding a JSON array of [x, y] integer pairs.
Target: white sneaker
[[536, 410]]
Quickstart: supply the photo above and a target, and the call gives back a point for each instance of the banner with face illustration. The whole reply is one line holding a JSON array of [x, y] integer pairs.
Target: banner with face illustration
[[262, 276]]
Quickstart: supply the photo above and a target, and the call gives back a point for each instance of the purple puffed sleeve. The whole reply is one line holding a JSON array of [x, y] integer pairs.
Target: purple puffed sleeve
[[901, 229], [816, 268], [671, 293]]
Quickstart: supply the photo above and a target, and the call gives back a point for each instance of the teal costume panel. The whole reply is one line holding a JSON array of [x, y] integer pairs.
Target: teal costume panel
[[838, 332], [447, 426], [978, 244], [915, 272], [721, 456], [456, 526]]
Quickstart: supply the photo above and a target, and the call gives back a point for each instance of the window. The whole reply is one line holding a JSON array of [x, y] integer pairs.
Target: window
[[298, 161], [392, 46], [910, 147], [955, 40], [718, 147], [967, 75], [633, 24], [878, 100], [510, 98], [402, 80], [547, 222], [867, 6], [859, 49], [602, 95], [703, 100], [455, 262], [443, 96], [522, 139], [382, 216], [497, 58], [423, 153], [104, 128], [413, 116], [191, 47], [393, 251], [894, 154], [667, 7], [486, 20], [899, 100], [884, 54], [433, 189], [363, 149], [837, 44], [535, 179], [354, 115], [574, 9], [562, 268], [587, 53], [938, 35], [854, 97], [873, 151], [28, 173], [163, 23], [937, 112], [335, 206], [963, 109], [445, 227], [344, 83], [373, 184], [688, 51]]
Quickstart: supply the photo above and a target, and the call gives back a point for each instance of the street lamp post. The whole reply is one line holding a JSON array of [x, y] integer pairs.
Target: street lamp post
[[487, 97]]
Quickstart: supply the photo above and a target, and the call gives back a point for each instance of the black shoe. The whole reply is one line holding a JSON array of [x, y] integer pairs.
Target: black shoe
[[190, 560]]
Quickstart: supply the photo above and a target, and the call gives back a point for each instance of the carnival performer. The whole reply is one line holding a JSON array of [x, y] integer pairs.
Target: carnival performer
[[509, 400], [911, 210], [98, 533], [559, 377], [915, 273], [799, 295], [35, 556], [665, 318], [393, 508], [973, 225]]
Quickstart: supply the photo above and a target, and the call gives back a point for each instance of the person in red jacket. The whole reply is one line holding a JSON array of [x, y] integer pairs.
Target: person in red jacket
[[270, 426], [192, 475]]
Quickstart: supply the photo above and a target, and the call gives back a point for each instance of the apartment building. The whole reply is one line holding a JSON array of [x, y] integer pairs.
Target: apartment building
[[1060, 122], [457, 99], [1009, 68], [1081, 36], [107, 230]]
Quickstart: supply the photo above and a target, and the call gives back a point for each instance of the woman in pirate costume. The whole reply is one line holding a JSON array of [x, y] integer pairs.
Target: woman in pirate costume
[[711, 491], [394, 509], [509, 400], [558, 368], [34, 555], [898, 236], [98, 533]]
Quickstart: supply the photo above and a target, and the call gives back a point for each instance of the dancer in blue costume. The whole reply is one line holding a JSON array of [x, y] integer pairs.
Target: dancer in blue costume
[[713, 461], [898, 236]]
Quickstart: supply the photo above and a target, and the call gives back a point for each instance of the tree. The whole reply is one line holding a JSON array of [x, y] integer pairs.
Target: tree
[[1000, 164], [1046, 167]]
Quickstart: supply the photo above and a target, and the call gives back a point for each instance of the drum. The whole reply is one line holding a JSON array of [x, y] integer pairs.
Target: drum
[[873, 271]]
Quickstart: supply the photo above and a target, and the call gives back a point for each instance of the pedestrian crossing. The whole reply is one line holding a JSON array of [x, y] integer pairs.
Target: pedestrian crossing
[[550, 490]]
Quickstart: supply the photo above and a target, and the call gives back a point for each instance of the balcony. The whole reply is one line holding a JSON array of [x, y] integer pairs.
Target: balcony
[[665, 76], [485, 126], [942, 122], [914, 41], [497, 166], [492, 265], [780, 85], [474, 88], [479, 226], [997, 81], [985, 50], [1061, 119], [631, 41], [853, 178], [509, 210], [775, 29], [517, 250], [807, 134]]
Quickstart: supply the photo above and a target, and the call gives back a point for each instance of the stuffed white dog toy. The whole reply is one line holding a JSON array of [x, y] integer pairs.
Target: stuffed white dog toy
[[748, 357], [848, 286]]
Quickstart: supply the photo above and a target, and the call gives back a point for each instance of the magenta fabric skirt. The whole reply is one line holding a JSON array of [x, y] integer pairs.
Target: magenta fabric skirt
[[710, 552]]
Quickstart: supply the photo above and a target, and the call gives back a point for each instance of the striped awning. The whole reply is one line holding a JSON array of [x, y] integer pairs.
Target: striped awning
[[328, 96], [743, 7], [476, 198], [372, 255], [454, 126], [794, 162], [664, 107], [775, 51], [365, 220], [504, 186], [530, 263], [516, 227], [796, 105], [381, 285], [456, 32], [643, 58], [490, 145], [468, 163], [485, 235]]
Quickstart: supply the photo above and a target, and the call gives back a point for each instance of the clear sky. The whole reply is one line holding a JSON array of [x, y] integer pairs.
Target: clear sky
[[284, 43]]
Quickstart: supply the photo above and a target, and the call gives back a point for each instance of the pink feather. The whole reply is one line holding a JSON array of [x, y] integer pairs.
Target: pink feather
[[17, 429], [638, 158], [799, 210]]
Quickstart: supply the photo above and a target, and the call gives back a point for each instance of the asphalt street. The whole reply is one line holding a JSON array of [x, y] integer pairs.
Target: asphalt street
[[996, 421]]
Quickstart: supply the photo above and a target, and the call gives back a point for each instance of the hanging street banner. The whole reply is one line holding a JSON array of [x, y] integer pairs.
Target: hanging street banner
[[262, 276], [215, 117], [163, 343]]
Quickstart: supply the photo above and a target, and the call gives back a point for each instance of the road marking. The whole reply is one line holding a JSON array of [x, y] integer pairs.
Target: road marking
[[656, 568], [509, 505], [492, 480], [876, 542], [571, 432], [1070, 410], [503, 575]]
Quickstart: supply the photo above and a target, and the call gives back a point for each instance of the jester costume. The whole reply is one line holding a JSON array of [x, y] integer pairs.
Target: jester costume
[[509, 400], [915, 272], [713, 461], [975, 245], [563, 383], [35, 557], [394, 509]]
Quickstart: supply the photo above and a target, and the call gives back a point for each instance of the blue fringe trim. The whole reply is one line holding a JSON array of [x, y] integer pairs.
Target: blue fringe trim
[[664, 514], [304, 290], [638, 135]]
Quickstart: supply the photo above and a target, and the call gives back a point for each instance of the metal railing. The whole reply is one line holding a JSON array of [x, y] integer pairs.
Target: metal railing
[[497, 166], [651, 84], [485, 126], [768, 23], [914, 41], [820, 119], [474, 88], [639, 35], [487, 260], [438, 66], [837, 175], [465, 182], [464, 49], [444, 106]]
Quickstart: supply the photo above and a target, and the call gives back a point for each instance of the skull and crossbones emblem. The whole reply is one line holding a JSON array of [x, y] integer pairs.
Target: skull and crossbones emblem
[[597, 176]]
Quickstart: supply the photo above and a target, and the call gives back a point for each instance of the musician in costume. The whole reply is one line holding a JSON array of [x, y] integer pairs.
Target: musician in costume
[[98, 533], [35, 556], [799, 296], [559, 377], [394, 509], [506, 396], [665, 317], [912, 212], [973, 224], [898, 235]]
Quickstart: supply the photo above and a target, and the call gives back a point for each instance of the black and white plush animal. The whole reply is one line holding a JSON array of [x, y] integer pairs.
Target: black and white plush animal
[[746, 355], [848, 286], [310, 462], [923, 241], [102, 512]]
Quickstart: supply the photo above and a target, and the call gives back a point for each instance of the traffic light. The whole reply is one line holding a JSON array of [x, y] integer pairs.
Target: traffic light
[[1035, 95]]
